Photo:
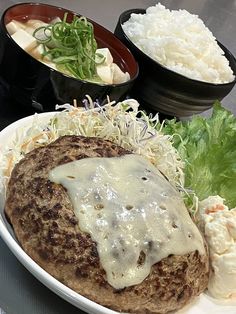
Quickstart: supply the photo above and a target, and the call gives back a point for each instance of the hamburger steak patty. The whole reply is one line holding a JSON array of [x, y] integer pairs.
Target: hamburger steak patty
[[45, 224]]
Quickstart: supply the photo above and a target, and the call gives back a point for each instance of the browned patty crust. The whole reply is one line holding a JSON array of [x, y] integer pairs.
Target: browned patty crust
[[45, 224]]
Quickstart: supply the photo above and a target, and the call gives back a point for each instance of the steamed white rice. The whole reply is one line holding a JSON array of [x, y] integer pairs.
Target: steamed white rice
[[180, 41]]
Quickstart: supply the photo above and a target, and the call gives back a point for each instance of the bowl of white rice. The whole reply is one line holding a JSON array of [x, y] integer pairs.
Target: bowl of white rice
[[183, 68]]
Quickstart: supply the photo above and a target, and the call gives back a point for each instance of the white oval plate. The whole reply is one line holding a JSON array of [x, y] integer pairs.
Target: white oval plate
[[202, 305]]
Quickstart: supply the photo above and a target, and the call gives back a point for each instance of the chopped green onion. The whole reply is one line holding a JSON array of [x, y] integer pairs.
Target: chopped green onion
[[72, 45], [46, 34]]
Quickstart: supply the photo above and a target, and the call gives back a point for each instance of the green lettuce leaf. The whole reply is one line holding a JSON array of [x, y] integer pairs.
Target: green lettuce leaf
[[208, 147]]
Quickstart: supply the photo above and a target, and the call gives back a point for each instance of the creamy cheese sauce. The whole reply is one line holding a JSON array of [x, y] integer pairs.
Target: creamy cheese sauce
[[131, 211]]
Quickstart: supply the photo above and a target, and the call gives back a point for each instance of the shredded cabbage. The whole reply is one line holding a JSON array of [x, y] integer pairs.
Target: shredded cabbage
[[123, 124]]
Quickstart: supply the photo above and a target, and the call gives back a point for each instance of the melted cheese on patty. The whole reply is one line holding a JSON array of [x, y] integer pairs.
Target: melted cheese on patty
[[131, 211]]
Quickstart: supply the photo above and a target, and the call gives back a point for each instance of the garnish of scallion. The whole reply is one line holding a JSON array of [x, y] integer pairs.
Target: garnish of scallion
[[71, 46]]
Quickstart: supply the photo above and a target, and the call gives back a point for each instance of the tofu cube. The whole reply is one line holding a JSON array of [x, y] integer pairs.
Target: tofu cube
[[118, 75], [24, 40], [35, 24], [30, 30], [37, 53], [105, 73], [105, 52], [14, 26]]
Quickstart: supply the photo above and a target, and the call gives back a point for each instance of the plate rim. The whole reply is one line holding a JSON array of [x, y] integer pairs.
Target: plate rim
[[42, 275]]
